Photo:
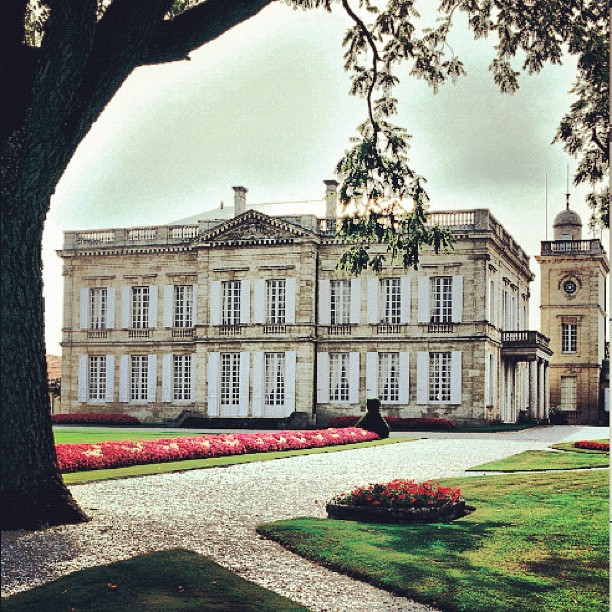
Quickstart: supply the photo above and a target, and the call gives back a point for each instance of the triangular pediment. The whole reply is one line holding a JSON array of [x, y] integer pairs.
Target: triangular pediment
[[254, 227]]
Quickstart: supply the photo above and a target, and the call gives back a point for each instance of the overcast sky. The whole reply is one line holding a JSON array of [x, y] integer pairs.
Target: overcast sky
[[267, 106]]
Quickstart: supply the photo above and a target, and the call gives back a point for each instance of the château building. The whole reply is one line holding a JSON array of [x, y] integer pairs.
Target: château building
[[573, 315], [244, 315]]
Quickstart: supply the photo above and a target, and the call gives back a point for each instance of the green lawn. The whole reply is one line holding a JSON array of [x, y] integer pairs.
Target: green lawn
[[534, 460], [162, 581], [198, 464], [536, 542], [91, 436]]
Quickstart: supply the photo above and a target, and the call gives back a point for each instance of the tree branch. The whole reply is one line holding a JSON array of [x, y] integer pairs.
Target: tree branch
[[600, 144], [174, 39]]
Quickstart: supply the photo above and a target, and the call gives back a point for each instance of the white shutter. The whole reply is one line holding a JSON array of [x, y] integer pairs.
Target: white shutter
[[167, 378], [168, 305], [84, 308], [153, 295], [215, 309], [455, 377], [290, 296], [457, 299], [371, 374], [355, 300], [126, 307], [353, 378], [194, 378], [152, 378], [194, 305], [322, 378], [245, 301], [290, 373], [422, 377], [243, 409], [124, 373], [404, 378], [424, 315], [258, 383], [259, 306], [373, 299], [110, 308], [82, 383], [325, 305], [405, 299], [214, 364], [110, 378]]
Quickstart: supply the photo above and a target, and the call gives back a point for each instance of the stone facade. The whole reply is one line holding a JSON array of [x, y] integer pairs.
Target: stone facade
[[574, 273], [245, 317]]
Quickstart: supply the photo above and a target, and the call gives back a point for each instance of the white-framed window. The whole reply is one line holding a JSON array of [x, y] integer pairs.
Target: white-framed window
[[276, 291], [388, 377], [339, 377], [141, 302], [139, 377], [441, 299], [183, 306], [98, 307], [569, 337], [96, 384], [439, 377], [181, 383], [340, 296], [274, 377], [568, 393], [390, 301], [231, 302], [230, 379]]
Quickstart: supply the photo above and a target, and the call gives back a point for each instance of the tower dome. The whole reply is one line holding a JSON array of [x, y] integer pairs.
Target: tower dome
[[567, 225]]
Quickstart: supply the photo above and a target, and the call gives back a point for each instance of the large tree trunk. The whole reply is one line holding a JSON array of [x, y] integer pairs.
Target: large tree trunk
[[32, 491]]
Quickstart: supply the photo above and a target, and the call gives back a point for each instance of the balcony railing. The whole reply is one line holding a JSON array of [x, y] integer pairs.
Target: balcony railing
[[339, 330], [183, 332], [230, 330], [97, 333], [527, 339], [388, 329], [275, 329], [440, 328], [139, 333], [573, 247]]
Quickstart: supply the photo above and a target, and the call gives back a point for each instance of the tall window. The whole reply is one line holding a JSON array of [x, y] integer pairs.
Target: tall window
[[390, 301], [388, 377], [182, 377], [274, 393], [340, 292], [569, 337], [140, 307], [491, 381], [98, 307], [339, 380], [275, 301], [97, 377], [439, 377], [139, 375], [568, 393], [492, 318], [183, 305], [231, 302], [440, 299], [230, 379]]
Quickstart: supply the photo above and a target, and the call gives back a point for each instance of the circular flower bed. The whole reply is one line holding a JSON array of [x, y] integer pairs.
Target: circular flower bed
[[399, 501]]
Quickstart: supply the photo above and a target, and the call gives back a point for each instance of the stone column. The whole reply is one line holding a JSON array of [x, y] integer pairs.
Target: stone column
[[546, 390], [533, 387], [541, 389]]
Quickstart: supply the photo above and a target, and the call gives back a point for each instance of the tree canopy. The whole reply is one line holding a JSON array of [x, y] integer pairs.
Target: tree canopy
[[62, 61]]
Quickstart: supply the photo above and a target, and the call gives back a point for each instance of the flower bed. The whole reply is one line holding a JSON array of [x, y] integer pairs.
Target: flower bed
[[397, 423], [399, 501], [79, 457], [94, 418], [591, 445]]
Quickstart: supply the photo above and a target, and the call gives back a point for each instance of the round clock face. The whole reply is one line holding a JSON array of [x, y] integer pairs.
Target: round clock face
[[569, 287]]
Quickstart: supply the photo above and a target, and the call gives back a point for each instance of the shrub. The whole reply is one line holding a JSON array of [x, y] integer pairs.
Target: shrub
[[592, 445], [397, 423], [79, 457], [94, 418]]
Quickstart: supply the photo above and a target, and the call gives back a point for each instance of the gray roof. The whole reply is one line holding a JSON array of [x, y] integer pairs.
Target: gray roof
[[567, 217]]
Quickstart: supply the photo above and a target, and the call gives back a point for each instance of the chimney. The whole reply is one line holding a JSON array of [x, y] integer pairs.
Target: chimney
[[239, 200], [331, 199]]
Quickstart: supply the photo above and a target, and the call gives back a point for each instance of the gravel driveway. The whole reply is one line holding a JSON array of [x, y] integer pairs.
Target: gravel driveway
[[215, 511]]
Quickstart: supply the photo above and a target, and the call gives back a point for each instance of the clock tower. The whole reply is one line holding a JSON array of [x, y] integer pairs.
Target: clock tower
[[573, 296]]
